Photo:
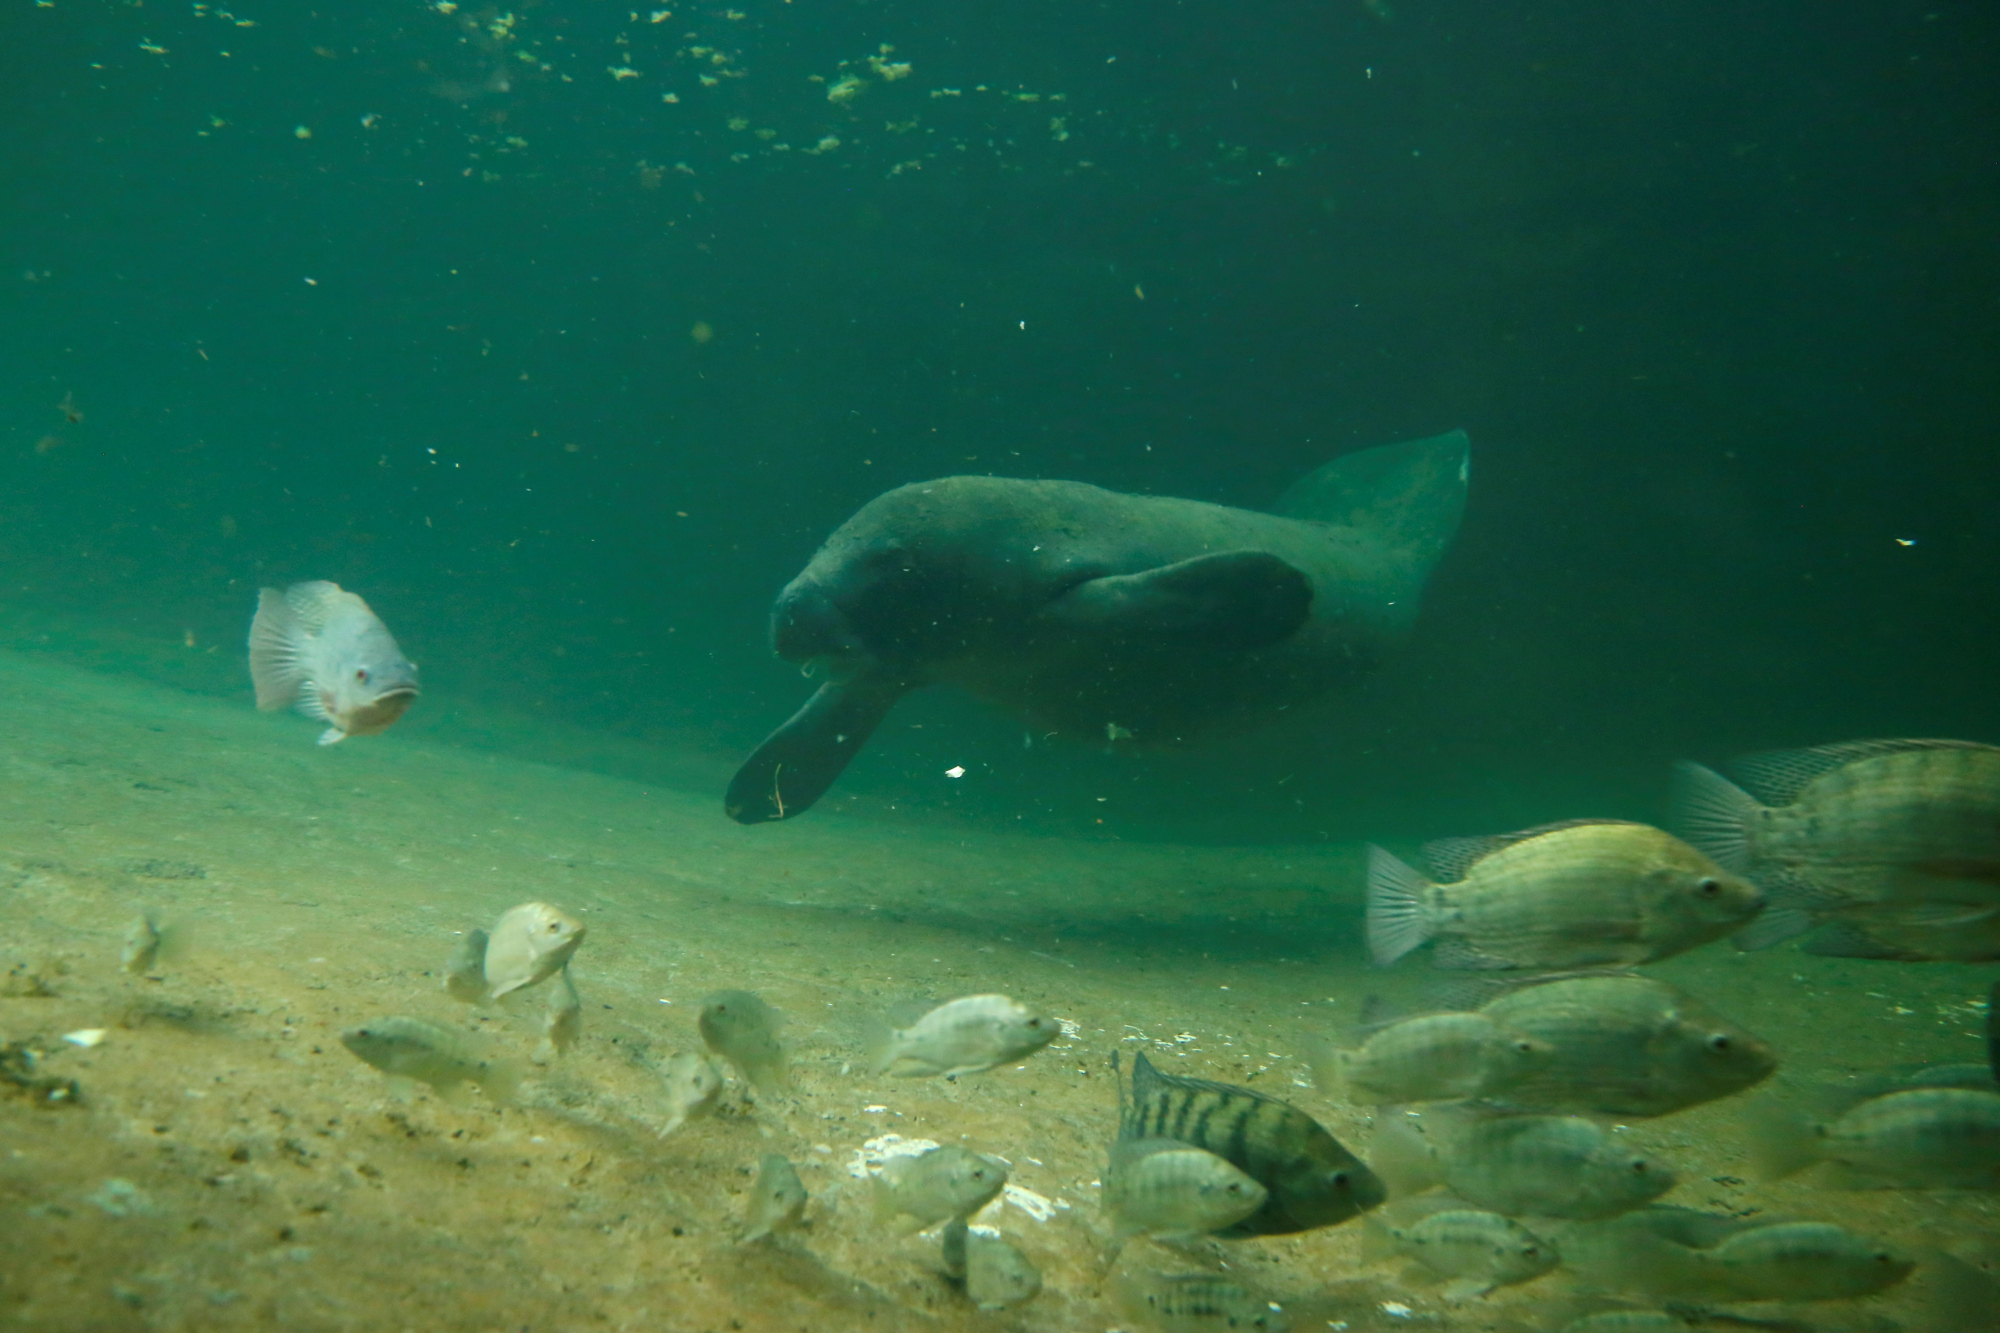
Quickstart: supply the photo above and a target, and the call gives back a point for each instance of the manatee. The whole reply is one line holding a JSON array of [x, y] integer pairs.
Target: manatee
[[1092, 613]]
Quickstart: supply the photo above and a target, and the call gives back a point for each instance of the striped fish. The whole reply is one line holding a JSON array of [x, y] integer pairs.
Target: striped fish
[[1313, 1181]]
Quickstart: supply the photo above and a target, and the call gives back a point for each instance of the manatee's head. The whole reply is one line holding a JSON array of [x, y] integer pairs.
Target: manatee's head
[[807, 624]]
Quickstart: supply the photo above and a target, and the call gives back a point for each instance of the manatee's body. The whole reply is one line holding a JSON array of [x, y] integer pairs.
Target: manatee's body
[[1084, 609]]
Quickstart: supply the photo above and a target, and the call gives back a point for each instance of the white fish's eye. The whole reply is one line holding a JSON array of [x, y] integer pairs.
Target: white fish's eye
[[1638, 1166], [1719, 1042], [1708, 888], [361, 674]]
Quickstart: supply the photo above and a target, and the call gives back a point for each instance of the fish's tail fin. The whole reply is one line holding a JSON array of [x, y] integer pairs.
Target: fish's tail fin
[[1410, 495], [276, 638], [1328, 1065], [1782, 1142], [1396, 921], [1713, 815]]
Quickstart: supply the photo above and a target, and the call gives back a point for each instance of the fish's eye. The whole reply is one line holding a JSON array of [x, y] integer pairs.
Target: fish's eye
[[1530, 1252], [1525, 1046], [1719, 1043], [361, 674], [1638, 1166], [1708, 888], [1338, 1180]]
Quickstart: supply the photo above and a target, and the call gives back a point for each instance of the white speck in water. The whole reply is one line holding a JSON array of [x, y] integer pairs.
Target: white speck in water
[[84, 1036]]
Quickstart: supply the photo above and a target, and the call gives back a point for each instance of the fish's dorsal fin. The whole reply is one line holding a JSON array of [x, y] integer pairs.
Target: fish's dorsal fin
[[1776, 777], [1450, 859], [1410, 495], [313, 604]]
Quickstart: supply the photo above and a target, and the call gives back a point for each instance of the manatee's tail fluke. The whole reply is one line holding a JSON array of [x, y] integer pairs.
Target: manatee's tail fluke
[[798, 762], [1410, 495]]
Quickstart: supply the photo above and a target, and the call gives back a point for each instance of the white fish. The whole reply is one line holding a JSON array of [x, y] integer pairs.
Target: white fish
[[142, 945], [693, 1086], [777, 1200], [529, 944], [413, 1048], [320, 649], [966, 1036]]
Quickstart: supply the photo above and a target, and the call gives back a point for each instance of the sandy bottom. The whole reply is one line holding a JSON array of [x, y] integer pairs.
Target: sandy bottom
[[265, 1178]]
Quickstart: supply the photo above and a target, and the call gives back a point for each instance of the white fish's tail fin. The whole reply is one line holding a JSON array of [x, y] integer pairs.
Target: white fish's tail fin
[[1410, 495], [1396, 922], [1781, 1141], [277, 638], [1713, 814]]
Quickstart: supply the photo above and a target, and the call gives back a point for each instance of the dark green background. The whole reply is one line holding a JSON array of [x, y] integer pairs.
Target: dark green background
[[1712, 285]]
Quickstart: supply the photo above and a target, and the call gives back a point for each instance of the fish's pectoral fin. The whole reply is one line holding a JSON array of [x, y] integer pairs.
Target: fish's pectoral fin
[[276, 638], [332, 736], [1243, 599], [799, 761], [1396, 920], [1840, 939]]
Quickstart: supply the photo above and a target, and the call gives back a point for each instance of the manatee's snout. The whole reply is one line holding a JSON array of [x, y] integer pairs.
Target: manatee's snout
[[806, 624]]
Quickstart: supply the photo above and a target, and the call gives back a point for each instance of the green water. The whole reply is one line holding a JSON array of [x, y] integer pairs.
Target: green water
[[566, 333]]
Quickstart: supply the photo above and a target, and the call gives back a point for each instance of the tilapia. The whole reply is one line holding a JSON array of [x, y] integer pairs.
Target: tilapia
[[912, 1193], [465, 970], [1477, 1250], [738, 1026], [1197, 1303], [1684, 1254], [562, 1021], [1973, 937], [320, 649], [966, 1036], [1586, 893], [1624, 1045], [1548, 1166], [1921, 1138], [1311, 1180], [995, 1272], [445, 1059], [1164, 1187], [142, 945], [693, 1085], [530, 944], [777, 1199], [1431, 1057], [1885, 834]]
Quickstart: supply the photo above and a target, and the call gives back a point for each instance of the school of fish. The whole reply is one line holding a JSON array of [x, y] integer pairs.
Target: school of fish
[[1497, 1153]]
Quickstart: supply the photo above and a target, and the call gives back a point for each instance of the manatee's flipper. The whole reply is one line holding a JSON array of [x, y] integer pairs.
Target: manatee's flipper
[[800, 760], [1241, 599], [1410, 495]]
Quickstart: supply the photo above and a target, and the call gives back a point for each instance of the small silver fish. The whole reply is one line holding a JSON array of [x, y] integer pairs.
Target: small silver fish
[[1164, 1187], [1587, 893], [429, 1053], [1549, 1166], [320, 649], [1477, 1250], [966, 1036], [1920, 1138], [1902, 831], [997, 1274], [562, 1021], [935, 1186], [738, 1026], [465, 970], [693, 1085], [530, 944], [1196, 1303], [142, 945], [777, 1199], [1432, 1057]]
